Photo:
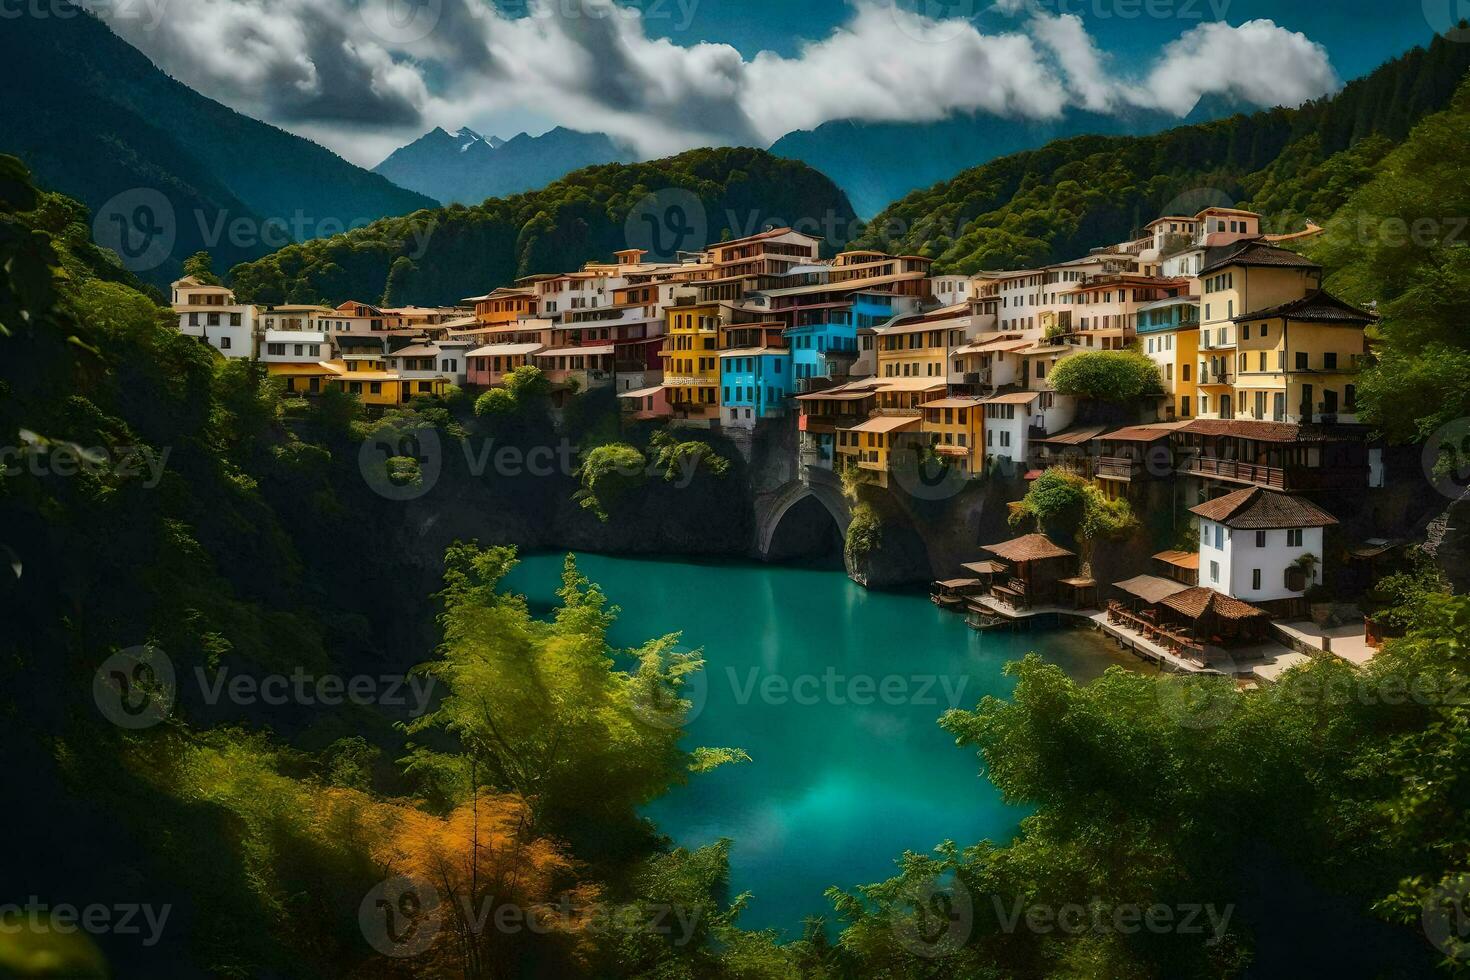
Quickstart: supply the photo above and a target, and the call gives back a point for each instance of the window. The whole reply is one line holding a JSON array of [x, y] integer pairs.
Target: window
[[1301, 360], [1214, 571], [1294, 537], [1260, 539], [276, 350], [1219, 538], [1329, 361], [1256, 579], [235, 319], [224, 343]]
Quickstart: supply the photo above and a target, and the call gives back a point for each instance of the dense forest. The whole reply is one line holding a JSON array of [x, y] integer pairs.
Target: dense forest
[[1068, 197], [160, 499], [439, 256]]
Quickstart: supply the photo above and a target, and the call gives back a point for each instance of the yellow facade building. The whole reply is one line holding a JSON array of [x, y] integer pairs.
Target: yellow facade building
[[1299, 362], [691, 359]]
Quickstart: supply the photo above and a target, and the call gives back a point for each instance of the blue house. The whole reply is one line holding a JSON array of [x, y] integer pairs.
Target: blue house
[[755, 384], [831, 338]]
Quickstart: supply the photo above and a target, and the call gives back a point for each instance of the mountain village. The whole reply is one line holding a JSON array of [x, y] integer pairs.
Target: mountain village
[[878, 363]]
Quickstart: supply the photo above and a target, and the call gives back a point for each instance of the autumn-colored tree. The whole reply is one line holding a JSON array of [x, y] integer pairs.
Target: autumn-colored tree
[[494, 895]]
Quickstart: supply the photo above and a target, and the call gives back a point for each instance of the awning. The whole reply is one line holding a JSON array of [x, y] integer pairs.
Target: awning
[[952, 403], [577, 352], [1151, 588], [641, 392], [911, 384], [1014, 398], [887, 423], [1179, 559], [984, 567], [504, 350], [994, 347]]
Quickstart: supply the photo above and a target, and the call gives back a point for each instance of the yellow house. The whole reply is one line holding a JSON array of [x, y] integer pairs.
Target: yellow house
[[918, 347], [302, 378], [1168, 333], [955, 428], [1236, 281], [368, 378], [691, 357], [870, 444], [1299, 362]]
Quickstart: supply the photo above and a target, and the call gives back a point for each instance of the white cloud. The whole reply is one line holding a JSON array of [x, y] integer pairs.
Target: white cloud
[[320, 68], [1258, 62]]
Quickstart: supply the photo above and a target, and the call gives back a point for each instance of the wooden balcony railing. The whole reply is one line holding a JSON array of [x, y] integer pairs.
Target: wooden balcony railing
[[1226, 469]]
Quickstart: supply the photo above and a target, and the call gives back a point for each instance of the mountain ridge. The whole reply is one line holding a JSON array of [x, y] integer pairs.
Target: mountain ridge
[[94, 118], [454, 170]]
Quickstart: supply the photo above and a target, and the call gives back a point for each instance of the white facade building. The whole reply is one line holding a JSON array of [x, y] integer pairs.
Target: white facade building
[[211, 314], [1251, 542]]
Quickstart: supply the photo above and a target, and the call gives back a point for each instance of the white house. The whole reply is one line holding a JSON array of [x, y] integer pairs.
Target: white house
[[1252, 540], [211, 314], [295, 347]]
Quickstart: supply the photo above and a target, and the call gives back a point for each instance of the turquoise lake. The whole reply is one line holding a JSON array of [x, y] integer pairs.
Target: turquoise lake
[[834, 692]]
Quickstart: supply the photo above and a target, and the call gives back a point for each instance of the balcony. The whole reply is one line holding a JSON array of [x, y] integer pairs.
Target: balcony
[[1270, 477], [1214, 376], [688, 381], [1119, 468]]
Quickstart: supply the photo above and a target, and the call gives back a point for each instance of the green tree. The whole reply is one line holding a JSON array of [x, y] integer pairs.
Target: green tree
[[607, 474], [201, 267], [541, 707], [1117, 376]]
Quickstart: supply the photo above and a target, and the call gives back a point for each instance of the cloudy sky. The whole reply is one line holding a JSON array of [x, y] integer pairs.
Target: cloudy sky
[[366, 76]]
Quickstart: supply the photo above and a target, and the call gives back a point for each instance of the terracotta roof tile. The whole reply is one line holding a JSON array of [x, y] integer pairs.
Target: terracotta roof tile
[[1258, 509], [1031, 547], [1320, 307], [1198, 602]]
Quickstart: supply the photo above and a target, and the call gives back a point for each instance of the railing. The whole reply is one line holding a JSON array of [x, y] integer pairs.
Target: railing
[[1119, 467], [1212, 376], [1226, 469], [1173, 642]]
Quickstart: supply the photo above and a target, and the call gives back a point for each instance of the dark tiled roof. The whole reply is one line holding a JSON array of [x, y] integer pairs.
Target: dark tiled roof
[[1245, 429], [1032, 547], [1257, 509], [1254, 253], [1320, 307], [1197, 603]]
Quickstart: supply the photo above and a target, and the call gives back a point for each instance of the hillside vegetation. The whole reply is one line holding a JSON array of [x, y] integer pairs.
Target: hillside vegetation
[[93, 118], [439, 256], [1059, 201]]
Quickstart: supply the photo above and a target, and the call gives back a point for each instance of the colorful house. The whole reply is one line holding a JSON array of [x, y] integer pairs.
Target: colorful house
[[1168, 332], [1259, 546], [691, 357], [955, 429], [1299, 362], [755, 384], [211, 314], [488, 366]]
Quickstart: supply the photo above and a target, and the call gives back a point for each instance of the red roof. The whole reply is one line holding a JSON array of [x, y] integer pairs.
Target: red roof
[[1258, 509]]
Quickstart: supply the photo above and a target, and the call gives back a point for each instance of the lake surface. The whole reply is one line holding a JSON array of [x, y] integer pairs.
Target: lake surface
[[835, 692]]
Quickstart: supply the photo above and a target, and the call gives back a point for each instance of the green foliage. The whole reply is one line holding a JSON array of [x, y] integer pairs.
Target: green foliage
[[496, 403], [540, 707], [462, 251], [607, 474], [680, 460], [527, 383], [1402, 241], [863, 535], [201, 267], [1059, 201], [1117, 376], [1070, 507]]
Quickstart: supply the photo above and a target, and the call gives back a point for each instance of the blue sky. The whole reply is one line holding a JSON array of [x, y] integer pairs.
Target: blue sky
[[366, 76], [1359, 34]]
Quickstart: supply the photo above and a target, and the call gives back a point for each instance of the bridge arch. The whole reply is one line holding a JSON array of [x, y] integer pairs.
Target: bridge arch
[[777, 506]]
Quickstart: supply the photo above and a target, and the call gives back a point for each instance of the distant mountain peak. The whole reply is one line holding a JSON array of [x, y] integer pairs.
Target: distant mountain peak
[[480, 167]]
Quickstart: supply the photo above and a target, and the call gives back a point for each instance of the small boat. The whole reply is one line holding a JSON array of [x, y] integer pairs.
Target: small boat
[[955, 593]]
